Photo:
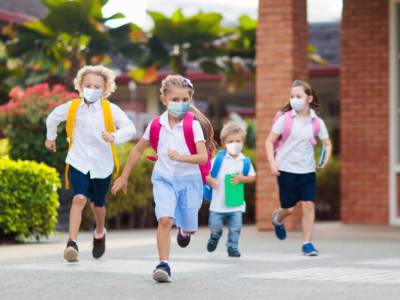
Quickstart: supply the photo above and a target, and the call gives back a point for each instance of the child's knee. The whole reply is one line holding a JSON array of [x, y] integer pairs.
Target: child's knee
[[79, 201], [288, 211], [165, 222], [308, 206]]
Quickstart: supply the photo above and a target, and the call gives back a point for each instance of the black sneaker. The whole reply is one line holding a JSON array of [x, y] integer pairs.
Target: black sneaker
[[99, 246], [183, 241], [162, 273], [212, 243], [233, 252], [71, 251]]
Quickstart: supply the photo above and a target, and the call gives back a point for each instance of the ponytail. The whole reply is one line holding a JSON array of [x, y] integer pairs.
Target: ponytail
[[207, 128]]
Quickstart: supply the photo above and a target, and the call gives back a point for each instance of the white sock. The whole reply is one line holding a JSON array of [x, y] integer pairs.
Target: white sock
[[307, 242], [276, 219], [99, 235], [164, 261]]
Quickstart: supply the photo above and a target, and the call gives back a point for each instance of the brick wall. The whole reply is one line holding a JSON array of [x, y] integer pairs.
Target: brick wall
[[364, 112], [281, 58]]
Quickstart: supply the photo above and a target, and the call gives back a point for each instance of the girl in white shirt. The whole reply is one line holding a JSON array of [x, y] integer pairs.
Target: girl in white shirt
[[90, 157], [177, 179], [293, 161]]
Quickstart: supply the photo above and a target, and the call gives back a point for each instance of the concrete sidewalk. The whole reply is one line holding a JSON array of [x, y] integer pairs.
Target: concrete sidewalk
[[356, 262]]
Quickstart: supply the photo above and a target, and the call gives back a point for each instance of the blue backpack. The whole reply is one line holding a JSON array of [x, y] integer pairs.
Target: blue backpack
[[207, 191]]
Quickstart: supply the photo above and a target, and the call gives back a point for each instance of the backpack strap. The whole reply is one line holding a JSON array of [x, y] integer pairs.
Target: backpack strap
[[190, 143], [69, 127], [188, 132], [155, 129], [219, 158], [246, 166], [316, 128], [110, 127], [287, 129]]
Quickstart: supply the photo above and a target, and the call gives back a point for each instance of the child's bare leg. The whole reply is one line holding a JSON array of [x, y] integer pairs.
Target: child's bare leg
[[308, 219], [283, 213], [100, 218], [164, 237], [75, 216]]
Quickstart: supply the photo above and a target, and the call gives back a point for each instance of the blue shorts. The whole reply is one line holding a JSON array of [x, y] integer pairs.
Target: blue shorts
[[296, 187], [92, 188], [178, 197]]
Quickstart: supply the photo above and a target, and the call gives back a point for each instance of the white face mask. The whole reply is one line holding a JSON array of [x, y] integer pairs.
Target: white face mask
[[92, 95], [297, 104], [234, 148]]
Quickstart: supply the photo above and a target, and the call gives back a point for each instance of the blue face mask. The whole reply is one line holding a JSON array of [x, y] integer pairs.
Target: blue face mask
[[92, 95], [178, 109]]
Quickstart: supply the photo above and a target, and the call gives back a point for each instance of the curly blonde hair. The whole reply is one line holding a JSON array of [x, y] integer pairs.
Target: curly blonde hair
[[105, 73]]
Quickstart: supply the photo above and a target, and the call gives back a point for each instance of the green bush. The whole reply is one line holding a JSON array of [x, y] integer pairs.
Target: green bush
[[28, 198], [4, 148], [23, 121], [328, 191]]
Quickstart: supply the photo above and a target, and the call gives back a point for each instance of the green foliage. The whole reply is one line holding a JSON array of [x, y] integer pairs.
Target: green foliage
[[28, 198], [72, 34], [4, 148], [23, 122], [328, 191]]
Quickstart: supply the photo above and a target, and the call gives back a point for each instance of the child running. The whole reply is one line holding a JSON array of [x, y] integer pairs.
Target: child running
[[183, 139], [290, 152], [230, 161], [94, 126]]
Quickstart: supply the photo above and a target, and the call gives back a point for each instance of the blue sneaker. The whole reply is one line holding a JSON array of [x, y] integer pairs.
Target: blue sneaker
[[162, 273], [279, 229], [309, 250]]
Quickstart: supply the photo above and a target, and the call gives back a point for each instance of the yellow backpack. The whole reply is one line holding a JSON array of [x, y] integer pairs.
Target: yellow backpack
[[108, 124]]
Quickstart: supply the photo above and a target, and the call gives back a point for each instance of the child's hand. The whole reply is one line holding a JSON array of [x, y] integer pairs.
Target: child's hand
[[120, 183], [174, 155], [213, 183], [236, 179], [323, 165], [274, 169], [51, 145], [108, 137]]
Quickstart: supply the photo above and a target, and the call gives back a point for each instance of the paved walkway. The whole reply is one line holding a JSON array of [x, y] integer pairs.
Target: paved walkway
[[356, 262]]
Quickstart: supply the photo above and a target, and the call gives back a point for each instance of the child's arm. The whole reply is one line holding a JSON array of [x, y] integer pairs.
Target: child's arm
[[269, 146], [212, 181], [244, 179], [125, 130], [200, 158], [58, 115], [328, 148], [134, 156]]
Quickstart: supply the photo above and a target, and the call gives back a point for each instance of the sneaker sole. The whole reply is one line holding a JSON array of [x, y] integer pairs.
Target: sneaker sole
[[70, 254], [311, 254], [161, 276]]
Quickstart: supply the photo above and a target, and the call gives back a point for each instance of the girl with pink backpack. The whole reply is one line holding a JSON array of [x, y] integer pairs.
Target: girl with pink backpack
[[290, 153], [184, 140]]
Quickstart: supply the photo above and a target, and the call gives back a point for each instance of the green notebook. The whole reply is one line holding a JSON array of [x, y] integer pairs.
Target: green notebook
[[234, 194]]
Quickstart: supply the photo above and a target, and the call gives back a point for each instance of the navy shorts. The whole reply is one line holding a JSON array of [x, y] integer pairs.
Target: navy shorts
[[92, 188], [296, 187]]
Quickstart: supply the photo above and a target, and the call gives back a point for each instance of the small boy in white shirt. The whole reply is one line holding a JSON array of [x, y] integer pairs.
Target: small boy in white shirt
[[229, 161]]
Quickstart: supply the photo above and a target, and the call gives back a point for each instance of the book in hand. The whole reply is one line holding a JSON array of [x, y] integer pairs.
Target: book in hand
[[234, 193], [322, 156]]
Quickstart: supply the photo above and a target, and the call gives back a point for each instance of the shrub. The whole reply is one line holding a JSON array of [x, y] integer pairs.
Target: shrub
[[28, 198], [23, 122], [4, 148]]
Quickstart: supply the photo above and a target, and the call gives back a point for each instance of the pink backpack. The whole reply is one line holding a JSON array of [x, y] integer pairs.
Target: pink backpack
[[315, 123], [155, 129]]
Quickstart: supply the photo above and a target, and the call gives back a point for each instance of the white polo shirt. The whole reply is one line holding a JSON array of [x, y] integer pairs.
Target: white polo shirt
[[296, 154], [174, 139], [229, 165], [89, 152]]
